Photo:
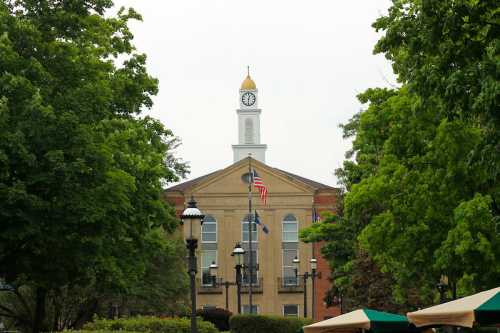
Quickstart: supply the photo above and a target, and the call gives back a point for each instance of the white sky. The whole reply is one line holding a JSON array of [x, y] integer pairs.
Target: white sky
[[309, 60]]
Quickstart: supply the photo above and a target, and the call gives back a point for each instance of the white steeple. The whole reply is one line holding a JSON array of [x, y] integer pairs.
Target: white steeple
[[249, 124]]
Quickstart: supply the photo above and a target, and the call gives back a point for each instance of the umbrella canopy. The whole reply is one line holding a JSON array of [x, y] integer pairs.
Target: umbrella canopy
[[375, 321], [482, 308]]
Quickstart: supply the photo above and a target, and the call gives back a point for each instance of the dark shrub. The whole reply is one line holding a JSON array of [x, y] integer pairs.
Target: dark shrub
[[267, 324], [217, 316]]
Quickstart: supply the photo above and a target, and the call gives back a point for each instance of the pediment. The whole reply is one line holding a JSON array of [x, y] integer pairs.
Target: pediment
[[231, 180]]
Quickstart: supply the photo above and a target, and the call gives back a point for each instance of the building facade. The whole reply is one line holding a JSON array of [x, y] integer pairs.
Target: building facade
[[292, 203]]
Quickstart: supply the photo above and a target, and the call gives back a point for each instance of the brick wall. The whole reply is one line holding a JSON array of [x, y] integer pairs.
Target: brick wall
[[323, 285], [324, 202]]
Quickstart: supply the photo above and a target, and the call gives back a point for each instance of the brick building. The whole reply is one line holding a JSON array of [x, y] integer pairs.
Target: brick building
[[292, 200]]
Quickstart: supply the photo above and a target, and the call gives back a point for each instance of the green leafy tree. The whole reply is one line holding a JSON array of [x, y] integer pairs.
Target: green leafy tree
[[423, 175], [81, 170]]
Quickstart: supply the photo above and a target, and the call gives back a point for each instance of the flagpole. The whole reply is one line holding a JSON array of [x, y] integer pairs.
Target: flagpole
[[250, 180], [314, 218]]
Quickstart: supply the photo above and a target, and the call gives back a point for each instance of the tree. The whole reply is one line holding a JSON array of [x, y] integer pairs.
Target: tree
[[162, 291], [423, 174], [356, 276], [444, 53], [81, 170]]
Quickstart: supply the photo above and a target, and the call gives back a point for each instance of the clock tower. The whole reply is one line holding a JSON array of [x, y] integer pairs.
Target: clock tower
[[249, 123]]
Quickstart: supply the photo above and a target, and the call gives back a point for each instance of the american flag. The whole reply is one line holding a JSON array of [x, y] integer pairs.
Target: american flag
[[259, 184]]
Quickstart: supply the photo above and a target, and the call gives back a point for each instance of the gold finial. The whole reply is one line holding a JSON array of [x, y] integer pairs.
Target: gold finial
[[248, 83]]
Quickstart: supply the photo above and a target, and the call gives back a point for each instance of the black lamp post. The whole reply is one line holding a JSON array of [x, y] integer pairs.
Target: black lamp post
[[313, 275], [194, 217], [305, 276], [212, 269], [339, 300], [238, 254], [442, 287]]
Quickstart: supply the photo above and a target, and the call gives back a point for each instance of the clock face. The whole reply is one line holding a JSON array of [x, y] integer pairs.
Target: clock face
[[248, 99]]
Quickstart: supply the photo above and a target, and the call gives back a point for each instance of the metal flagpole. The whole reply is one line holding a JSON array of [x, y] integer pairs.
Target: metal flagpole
[[250, 180]]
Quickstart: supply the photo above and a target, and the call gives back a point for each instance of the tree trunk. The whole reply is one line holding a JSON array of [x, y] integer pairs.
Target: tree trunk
[[39, 309]]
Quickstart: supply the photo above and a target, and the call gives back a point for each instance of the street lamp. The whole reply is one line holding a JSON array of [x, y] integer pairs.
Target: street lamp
[[339, 300], [442, 287], [212, 270], [238, 254], [314, 275], [305, 276], [193, 217]]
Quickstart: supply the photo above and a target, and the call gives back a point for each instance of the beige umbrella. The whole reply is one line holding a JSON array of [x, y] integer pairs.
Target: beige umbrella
[[363, 319], [482, 308]]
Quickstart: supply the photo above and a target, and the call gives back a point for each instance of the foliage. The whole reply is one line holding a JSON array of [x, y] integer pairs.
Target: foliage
[[96, 331], [423, 173], [270, 324], [81, 169], [352, 285], [217, 316], [149, 324]]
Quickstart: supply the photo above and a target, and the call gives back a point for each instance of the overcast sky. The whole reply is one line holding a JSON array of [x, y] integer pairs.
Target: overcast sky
[[309, 60]]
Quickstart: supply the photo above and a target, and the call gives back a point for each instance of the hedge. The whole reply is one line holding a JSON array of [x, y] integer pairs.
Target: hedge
[[267, 324], [217, 316], [95, 331], [148, 324]]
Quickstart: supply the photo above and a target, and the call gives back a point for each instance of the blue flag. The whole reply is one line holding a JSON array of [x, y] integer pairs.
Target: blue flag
[[257, 220], [316, 217]]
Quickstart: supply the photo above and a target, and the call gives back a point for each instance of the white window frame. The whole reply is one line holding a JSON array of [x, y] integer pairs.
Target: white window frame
[[292, 266], [247, 306], [208, 267], [244, 228], [211, 232], [283, 232], [298, 310], [208, 306], [256, 262]]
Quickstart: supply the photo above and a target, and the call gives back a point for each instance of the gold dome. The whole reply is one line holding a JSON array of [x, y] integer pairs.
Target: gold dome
[[248, 84]]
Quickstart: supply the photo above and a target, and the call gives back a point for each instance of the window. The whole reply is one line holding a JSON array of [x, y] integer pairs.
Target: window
[[245, 309], [207, 256], [290, 310], [248, 131], [289, 278], [209, 230], [246, 271], [290, 229], [244, 229]]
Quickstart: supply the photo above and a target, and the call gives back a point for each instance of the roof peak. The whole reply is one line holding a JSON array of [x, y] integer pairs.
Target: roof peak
[[308, 182]]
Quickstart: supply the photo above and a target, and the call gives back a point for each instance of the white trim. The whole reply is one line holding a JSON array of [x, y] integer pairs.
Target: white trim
[[211, 232], [292, 266], [256, 262], [257, 308], [244, 228], [296, 221], [201, 265]]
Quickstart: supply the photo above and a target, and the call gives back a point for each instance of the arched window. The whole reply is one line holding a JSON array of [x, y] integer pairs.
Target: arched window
[[244, 229], [290, 228], [207, 257], [209, 230], [249, 131], [255, 253]]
